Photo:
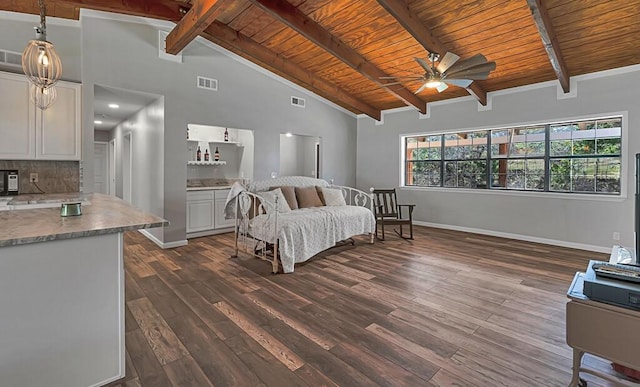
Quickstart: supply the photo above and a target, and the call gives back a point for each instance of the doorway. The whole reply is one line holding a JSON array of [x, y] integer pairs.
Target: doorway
[[300, 155], [127, 167]]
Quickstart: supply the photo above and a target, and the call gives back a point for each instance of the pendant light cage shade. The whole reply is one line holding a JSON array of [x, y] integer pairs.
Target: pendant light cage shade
[[41, 64], [43, 97]]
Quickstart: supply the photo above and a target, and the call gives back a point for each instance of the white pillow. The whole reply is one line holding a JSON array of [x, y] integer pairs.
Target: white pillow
[[333, 197], [270, 196]]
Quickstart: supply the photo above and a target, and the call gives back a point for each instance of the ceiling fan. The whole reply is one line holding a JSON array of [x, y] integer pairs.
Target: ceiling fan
[[449, 71]]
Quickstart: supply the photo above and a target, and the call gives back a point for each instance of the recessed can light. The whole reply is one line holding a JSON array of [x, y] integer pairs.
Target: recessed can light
[[114, 105], [97, 122]]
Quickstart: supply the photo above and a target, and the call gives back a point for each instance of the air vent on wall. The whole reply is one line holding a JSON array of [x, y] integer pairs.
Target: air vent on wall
[[297, 101], [207, 83], [10, 58]]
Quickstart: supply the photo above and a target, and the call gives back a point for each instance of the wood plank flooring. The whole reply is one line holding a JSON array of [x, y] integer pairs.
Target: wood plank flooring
[[447, 309]]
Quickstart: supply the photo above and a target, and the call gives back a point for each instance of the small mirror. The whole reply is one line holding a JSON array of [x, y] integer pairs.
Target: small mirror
[[300, 155]]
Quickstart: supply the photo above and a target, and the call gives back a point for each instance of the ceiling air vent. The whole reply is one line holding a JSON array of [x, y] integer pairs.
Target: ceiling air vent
[[297, 101], [10, 58], [207, 83]]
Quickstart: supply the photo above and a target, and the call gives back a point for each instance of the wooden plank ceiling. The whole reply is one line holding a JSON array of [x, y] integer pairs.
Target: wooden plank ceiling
[[339, 49]]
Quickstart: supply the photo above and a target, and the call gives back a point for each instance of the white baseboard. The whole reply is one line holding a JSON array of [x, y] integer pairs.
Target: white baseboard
[[526, 238], [208, 233], [168, 245]]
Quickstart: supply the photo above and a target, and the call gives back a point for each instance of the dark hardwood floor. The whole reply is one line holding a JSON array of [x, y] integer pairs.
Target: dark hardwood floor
[[448, 308]]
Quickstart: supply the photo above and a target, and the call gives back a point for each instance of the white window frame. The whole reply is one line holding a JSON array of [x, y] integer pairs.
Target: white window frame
[[624, 156]]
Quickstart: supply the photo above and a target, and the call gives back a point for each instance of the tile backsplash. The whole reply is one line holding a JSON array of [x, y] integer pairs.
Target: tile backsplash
[[53, 176]]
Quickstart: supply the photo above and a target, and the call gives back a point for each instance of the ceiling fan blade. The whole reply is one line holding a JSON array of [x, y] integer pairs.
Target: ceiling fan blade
[[442, 87], [423, 63], [474, 76], [447, 61], [464, 64], [468, 73], [459, 82], [424, 85]]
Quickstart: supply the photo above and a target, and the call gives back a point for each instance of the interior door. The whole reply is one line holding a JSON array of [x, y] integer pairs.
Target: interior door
[[101, 167]]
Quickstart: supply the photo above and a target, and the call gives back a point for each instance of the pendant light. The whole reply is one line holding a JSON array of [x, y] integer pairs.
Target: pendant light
[[43, 97], [40, 63]]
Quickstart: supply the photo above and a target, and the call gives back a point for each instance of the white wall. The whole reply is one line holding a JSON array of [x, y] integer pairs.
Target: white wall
[[124, 55], [147, 137], [568, 219]]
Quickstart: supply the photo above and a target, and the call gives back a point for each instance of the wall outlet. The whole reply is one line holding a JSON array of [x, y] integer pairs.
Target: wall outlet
[[33, 177], [616, 236]]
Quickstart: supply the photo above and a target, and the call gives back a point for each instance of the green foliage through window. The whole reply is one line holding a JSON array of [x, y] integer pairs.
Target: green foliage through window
[[579, 156]]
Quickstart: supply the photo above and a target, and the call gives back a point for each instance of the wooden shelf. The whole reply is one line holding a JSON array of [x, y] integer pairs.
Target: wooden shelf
[[220, 162]]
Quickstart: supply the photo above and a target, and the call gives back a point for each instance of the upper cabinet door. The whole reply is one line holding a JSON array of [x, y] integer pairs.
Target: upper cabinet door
[[58, 128], [17, 140]]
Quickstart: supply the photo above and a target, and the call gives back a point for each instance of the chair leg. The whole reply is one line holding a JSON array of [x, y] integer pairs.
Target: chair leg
[[382, 232], [411, 230]]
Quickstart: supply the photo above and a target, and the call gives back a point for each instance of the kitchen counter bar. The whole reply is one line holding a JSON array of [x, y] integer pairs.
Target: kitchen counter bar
[[102, 214], [62, 291]]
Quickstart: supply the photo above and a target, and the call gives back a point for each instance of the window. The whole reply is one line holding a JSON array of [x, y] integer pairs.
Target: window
[[574, 157]]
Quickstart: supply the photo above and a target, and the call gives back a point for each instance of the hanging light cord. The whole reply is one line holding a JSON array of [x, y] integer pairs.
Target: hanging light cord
[[43, 22]]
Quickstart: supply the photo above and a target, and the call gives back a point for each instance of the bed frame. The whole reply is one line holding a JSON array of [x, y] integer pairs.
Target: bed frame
[[246, 207]]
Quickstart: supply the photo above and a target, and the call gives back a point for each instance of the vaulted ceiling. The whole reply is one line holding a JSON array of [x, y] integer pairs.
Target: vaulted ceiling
[[340, 49]]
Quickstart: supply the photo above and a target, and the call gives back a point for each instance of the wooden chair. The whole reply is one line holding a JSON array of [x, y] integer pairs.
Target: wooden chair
[[389, 212]]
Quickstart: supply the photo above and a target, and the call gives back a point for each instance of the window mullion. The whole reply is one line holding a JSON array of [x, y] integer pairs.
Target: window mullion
[[442, 160], [547, 157], [488, 158]]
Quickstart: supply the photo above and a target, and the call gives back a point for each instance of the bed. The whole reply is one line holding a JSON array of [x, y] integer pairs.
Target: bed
[[268, 227]]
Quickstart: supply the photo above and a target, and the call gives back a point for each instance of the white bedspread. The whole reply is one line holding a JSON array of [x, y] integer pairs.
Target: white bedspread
[[306, 232]]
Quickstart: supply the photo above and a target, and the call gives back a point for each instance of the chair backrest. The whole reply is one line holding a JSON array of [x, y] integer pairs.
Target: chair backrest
[[385, 203]]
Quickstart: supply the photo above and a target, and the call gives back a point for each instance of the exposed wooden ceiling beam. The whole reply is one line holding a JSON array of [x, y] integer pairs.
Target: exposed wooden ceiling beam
[[161, 9], [547, 33], [199, 17], [305, 26], [234, 41], [407, 19]]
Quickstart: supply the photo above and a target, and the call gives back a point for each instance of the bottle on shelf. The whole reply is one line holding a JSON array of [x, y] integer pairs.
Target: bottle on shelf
[[198, 154], [206, 155], [216, 155], [226, 135]]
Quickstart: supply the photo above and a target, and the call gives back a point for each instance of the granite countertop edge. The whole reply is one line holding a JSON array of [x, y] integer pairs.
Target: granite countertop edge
[[105, 215], [78, 234], [217, 187]]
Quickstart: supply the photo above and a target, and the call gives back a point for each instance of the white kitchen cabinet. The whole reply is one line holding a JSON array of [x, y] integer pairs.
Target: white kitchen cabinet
[[58, 128], [220, 202], [205, 213], [200, 211], [29, 133], [17, 125]]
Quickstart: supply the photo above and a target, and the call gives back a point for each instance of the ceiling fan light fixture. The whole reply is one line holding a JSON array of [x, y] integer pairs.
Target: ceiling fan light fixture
[[40, 62], [433, 83]]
